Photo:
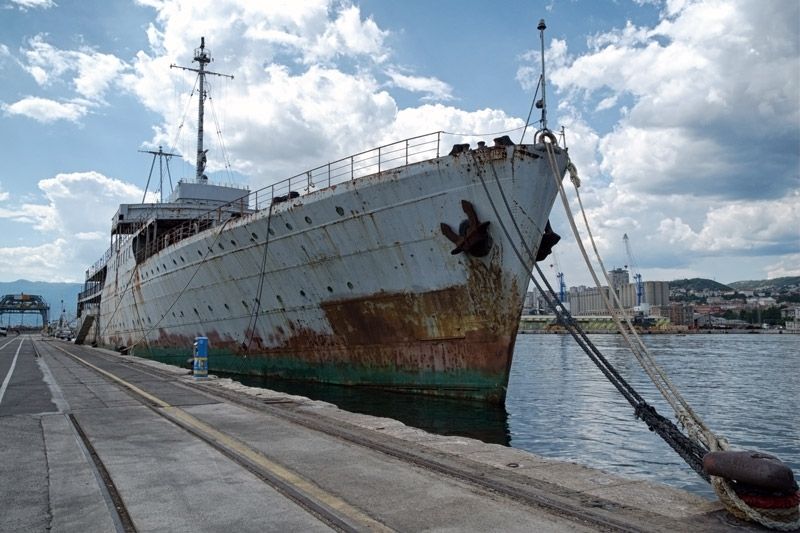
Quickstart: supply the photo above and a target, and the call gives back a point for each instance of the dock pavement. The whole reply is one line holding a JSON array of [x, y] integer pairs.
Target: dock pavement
[[97, 441]]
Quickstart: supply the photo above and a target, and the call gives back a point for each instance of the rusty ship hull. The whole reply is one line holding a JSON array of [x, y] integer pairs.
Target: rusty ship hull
[[352, 283]]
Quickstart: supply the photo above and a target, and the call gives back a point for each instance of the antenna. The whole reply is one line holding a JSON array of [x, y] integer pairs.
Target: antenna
[[541, 27], [203, 57]]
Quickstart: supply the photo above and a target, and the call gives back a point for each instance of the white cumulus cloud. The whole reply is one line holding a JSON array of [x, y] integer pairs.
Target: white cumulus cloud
[[435, 89], [25, 5], [310, 85], [46, 110], [92, 72], [700, 156], [76, 214]]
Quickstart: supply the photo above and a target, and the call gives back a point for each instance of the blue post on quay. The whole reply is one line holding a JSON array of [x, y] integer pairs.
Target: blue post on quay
[[200, 367]]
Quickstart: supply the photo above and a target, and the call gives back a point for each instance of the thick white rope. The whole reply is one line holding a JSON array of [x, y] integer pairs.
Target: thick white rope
[[686, 415], [684, 411], [615, 312]]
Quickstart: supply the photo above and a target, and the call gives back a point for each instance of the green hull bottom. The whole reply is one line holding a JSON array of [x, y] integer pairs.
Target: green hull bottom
[[464, 384]]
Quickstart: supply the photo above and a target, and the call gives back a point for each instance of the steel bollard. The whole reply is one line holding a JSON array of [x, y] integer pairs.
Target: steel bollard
[[200, 367]]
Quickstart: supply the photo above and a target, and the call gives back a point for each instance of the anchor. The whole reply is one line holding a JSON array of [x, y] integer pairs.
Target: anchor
[[472, 237]]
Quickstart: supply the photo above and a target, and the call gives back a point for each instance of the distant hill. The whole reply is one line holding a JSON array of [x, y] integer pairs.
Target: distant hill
[[53, 294], [698, 284], [766, 284]]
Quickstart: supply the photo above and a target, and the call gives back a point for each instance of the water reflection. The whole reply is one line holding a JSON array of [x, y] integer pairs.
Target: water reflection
[[743, 386], [488, 423]]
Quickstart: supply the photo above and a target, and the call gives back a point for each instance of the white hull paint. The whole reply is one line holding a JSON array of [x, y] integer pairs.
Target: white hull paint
[[359, 284]]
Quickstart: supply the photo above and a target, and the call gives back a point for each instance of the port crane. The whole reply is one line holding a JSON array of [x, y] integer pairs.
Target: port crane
[[562, 286], [637, 277]]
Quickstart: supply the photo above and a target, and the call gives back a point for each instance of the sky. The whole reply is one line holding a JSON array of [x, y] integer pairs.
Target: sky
[[682, 117]]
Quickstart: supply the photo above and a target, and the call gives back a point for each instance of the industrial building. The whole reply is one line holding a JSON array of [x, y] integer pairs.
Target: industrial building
[[590, 300]]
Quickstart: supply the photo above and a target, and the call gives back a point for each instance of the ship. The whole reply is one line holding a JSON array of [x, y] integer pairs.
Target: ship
[[403, 267]]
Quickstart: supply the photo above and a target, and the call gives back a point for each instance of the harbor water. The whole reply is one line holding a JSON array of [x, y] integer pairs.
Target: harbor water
[[559, 405]]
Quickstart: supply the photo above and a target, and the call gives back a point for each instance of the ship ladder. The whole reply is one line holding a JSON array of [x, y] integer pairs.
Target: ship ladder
[[86, 325]]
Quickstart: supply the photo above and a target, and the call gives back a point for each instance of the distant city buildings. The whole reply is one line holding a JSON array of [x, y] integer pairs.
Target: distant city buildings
[[680, 314], [792, 316], [682, 305], [590, 300]]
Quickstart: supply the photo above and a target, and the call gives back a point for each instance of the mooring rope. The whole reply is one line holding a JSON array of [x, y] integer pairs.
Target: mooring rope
[[686, 415], [253, 322], [671, 434]]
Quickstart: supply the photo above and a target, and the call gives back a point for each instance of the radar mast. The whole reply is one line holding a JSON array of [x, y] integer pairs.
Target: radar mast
[[202, 56]]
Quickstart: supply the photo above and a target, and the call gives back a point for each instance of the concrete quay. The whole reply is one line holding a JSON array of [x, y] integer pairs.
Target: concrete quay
[[96, 441]]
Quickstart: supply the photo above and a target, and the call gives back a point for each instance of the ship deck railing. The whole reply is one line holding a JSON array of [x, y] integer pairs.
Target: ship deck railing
[[91, 289], [392, 156], [374, 161]]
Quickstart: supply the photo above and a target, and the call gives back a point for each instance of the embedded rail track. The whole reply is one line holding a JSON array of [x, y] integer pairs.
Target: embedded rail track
[[583, 509]]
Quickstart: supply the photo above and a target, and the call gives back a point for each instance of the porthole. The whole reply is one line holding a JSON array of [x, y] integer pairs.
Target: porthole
[[280, 300], [174, 262], [255, 237], [340, 211], [233, 243], [308, 219], [271, 231], [227, 307], [199, 253], [330, 289], [196, 311], [289, 226], [220, 246], [349, 285], [183, 260], [303, 294], [209, 308]]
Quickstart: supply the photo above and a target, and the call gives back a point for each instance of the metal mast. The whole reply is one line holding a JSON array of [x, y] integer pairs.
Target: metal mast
[[541, 27], [161, 155], [202, 57]]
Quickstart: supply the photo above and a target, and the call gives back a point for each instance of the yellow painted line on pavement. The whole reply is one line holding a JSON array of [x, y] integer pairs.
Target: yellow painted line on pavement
[[286, 475], [305, 486]]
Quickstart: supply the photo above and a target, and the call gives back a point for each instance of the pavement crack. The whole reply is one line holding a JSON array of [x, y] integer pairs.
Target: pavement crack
[[49, 516]]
